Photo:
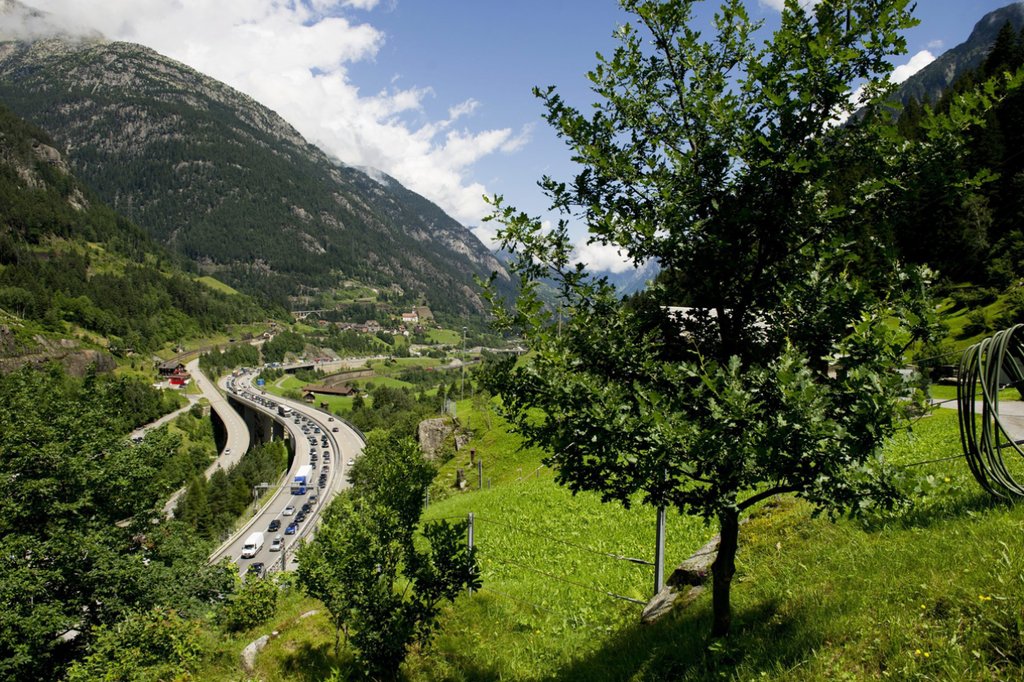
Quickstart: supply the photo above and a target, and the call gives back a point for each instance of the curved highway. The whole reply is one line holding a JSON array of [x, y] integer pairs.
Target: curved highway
[[322, 441], [237, 443]]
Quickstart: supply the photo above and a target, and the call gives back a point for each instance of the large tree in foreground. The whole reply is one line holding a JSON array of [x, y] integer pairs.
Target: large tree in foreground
[[724, 160]]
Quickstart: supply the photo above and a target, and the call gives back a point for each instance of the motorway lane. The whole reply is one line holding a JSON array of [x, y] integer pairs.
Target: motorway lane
[[344, 444], [237, 432]]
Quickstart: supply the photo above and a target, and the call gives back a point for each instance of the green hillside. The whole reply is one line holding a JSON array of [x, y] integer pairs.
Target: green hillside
[[71, 265], [216, 177], [930, 592]]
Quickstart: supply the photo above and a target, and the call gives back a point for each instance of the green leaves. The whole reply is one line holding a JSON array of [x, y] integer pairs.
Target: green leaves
[[366, 550], [723, 159]]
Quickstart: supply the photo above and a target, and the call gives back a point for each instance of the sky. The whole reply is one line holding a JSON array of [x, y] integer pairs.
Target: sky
[[436, 93]]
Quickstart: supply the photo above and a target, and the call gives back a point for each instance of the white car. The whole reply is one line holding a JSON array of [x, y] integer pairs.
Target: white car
[[275, 545], [289, 510]]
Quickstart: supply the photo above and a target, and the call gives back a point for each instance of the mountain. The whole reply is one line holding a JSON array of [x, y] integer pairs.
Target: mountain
[[214, 175], [929, 83], [72, 267]]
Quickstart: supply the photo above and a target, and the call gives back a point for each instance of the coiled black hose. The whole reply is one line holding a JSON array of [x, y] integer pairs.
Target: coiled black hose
[[984, 368]]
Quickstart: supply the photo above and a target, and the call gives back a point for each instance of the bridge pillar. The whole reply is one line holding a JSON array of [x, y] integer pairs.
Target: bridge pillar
[[264, 428]]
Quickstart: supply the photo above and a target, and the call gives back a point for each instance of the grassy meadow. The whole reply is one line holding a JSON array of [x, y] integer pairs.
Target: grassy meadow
[[932, 592]]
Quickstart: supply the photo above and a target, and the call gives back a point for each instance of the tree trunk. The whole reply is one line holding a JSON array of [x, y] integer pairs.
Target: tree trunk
[[722, 571]]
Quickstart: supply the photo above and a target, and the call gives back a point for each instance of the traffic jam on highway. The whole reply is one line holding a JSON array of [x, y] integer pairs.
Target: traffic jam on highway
[[271, 537]]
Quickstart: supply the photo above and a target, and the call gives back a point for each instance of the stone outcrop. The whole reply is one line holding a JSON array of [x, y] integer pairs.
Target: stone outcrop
[[433, 433], [686, 582], [251, 650]]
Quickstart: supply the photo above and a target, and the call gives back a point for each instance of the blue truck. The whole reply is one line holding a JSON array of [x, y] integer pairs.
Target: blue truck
[[302, 480]]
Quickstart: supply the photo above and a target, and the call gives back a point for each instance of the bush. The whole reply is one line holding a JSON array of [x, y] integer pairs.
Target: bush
[[253, 605], [977, 323]]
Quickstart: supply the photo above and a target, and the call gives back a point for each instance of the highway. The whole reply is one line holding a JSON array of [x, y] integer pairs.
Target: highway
[[237, 432], [343, 444]]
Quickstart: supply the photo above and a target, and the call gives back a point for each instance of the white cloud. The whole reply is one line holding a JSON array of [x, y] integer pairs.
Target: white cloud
[[936, 44], [293, 56], [602, 258], [358, 4], [916, 63], [778, 5]]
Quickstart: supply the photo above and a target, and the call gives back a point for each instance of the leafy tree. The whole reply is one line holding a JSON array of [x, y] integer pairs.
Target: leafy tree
[[723, 160], [393, 472], [365, 549], [254, 604], [145, 647], [78, 549]]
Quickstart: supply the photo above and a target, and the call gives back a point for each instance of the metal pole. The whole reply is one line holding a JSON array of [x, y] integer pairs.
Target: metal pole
[[480, 473], [469, 532], [659, 553]]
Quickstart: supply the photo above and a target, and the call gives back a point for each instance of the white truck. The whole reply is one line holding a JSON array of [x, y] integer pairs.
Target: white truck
[[253, 544]]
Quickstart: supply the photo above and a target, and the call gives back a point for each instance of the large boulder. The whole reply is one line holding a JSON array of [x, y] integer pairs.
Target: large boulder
[[433, 433]]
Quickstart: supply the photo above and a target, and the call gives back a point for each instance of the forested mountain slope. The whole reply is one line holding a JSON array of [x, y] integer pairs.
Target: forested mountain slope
[[67, 260], [972, 232], [214, 175], [929, 83]]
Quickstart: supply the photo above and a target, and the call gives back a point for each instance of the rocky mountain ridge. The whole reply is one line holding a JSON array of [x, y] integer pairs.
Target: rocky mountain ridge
[[213, 174], [929, 83]]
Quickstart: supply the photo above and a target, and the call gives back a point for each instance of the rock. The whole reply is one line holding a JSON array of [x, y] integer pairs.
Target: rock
[[668, 599], [249, 652], [697, 568], [686, 582], [433, 433]]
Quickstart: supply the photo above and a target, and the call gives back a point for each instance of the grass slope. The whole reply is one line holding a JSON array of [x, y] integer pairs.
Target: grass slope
[[932, 593]]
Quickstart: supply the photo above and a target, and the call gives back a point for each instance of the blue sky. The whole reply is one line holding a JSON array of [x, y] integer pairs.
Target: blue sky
[[436, 93]]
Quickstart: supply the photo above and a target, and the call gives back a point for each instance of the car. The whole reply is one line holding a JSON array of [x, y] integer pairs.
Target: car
[[275, 525], [330, 419], [289, 510], [292, 529], [325, 469], [323, 483], [227, 451], [256, 568], [300, 517], [313, 499], [335, 429], [351, 461], [275, 544], [306, 507]]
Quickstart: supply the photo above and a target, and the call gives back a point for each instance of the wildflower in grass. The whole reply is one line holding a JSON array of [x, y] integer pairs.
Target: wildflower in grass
[[984, 598]]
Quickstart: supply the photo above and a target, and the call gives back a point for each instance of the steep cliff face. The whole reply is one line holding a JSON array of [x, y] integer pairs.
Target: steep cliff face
[[929, 83], [213, 174]]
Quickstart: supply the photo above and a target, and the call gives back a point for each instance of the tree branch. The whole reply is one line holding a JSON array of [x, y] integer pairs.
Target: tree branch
[[778, 490]]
